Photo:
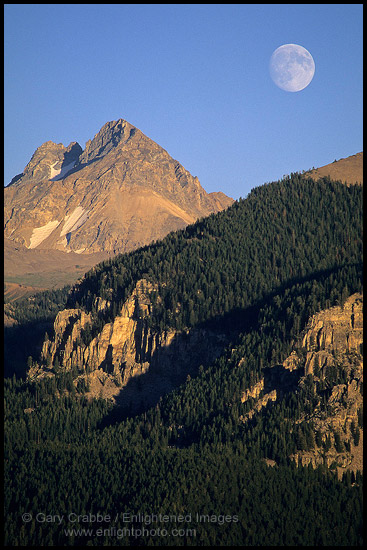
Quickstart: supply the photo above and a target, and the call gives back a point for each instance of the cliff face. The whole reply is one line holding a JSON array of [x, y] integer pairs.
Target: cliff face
[[332, 332], [125, 349], [333, 344], [328, 361]]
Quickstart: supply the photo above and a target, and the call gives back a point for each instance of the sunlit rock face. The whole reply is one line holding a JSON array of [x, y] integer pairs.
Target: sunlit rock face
[[334, 331], [328, 358], [123, 191], [125, 349]]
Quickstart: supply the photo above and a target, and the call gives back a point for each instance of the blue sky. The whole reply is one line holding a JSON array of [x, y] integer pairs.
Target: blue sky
[[193, 77]]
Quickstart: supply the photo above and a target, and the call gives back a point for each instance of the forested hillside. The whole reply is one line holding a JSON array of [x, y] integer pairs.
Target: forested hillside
[[258, 271], [281, 232]]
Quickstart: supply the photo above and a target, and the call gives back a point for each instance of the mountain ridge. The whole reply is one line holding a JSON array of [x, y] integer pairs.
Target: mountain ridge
[[348, 170]]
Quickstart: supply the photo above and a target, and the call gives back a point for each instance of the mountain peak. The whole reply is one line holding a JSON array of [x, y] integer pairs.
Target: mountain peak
[[123, 191], [109, 136]]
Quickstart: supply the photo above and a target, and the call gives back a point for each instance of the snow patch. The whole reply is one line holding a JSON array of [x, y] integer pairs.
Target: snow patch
[[59, 173], [54, 172], [74, 220], [39, 234]]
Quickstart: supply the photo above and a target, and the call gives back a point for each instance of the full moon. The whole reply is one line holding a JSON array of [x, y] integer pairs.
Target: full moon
[[291, 67]]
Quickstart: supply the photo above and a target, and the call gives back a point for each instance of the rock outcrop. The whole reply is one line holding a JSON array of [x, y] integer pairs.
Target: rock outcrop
[[253, 392], [332, 343], [122, 348], [125, 349], [328, 359], [333, 331], [260, 403]]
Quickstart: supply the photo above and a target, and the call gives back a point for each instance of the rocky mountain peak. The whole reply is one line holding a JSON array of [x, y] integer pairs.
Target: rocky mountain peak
[[110, 136], [130, 191]]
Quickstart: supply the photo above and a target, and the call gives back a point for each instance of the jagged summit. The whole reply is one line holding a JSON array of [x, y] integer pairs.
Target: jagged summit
[[50, 159], [123, 191], [111, 135]]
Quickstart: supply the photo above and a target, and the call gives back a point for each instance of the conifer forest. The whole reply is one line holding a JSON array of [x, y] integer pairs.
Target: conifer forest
[[188, 470]]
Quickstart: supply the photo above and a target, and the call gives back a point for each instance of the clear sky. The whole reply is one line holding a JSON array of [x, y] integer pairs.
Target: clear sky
[[193, 77]]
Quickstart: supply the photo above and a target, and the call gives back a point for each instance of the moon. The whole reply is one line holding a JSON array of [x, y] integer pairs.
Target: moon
[[292, 67]]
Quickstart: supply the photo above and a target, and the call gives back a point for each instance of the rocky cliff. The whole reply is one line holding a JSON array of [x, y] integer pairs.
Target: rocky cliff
[[127, 360], [338, 330], [328, 361], [123, 348], [333, 344]]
